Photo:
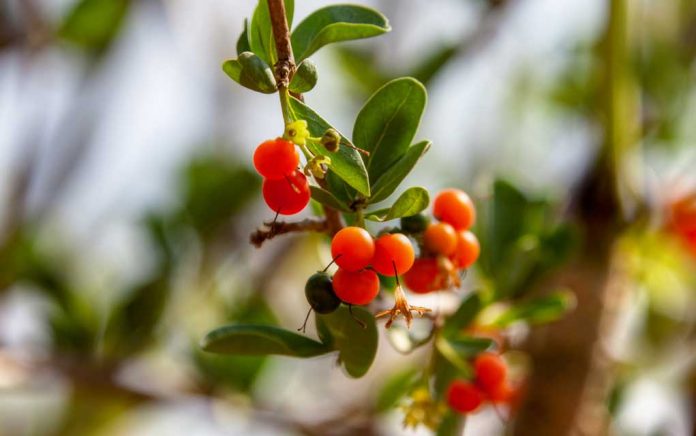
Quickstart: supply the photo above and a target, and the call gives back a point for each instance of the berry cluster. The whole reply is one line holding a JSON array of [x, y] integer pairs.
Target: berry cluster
[[490, 384], [682, 217], [447, 247]]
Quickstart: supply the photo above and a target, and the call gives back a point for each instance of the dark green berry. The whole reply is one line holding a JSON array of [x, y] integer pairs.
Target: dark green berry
[[331, 140], [415, 223], [320, 294]]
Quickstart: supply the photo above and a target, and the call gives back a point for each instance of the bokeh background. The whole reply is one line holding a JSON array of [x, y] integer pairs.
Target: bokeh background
[[127, 197]]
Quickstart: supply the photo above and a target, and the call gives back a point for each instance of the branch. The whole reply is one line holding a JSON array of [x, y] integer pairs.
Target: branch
[[285, 67], [276, 228]]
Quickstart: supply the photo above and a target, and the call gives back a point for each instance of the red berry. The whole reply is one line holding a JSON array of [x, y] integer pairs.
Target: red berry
[[490, 371], [454, 207], [440, 238], [356, 287], [467, 250], [393, 250], [501, 394], [422, 276], [288, 195], [464, 396], [276, 158], [353, 248]]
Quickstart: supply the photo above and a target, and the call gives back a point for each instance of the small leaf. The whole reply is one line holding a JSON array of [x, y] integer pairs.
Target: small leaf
[[463, 316], [261, 32], [346, 162], [251, 72], [326, 198], [468, 346], [305, 77], [261, 339], [539, 310], [395, 388], [387, 183], [334, 24], [243, 41], [357, 346], [412, 201], [448, 350], [94, 24], [388, 122], [452, 424]]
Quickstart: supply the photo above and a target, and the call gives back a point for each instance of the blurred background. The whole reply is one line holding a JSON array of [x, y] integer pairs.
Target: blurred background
[[127, 196]]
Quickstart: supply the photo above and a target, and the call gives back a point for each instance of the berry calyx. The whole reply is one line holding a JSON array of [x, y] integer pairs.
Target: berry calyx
[[414, 223], [467, 250], [454, 207], [287, 196], [490, 370], [394, 254], [422, 276], [276, 158], [356, 287], [440, 238], [320, 294], [464, 396], [352, 248], [331, 140]]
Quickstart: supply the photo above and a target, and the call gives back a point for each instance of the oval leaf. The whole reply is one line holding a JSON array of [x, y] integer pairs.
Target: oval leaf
[[305, 78], [251, 72], [539, 310], [357, 346], [346, 162], [243, 41], [334, 24], [464, 315], [261, 33], [387, 183], [328, 199], [412, 201], [388, 122], [261, 339]]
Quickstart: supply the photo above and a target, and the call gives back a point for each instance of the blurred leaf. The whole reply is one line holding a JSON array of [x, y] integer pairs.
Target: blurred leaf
[[346, 162], [405, 340], [539, 310], [388, 122], [451, 425], [387, 183], [251, 72], [412, 201], [305, 77], [362, 69], [325, 197], [455, 355], [463, 316], [243, 41], [394, 388], [259, 340], [433, 63], [334, 24], [93, 24], [261, 33], [444, 372], [357, 346], [469, 346]]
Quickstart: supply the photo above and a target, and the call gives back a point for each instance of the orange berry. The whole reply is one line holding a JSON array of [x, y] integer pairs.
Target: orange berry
[[454, 207], [287, 196], [440, 238], [356, 287], [467, 250], [353, 248], [490, 370], [393, 251], [464, 396], [276, 158]]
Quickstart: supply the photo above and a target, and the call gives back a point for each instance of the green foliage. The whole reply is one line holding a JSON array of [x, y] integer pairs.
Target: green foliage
[[395, 387], [410, 202], [305, 77], [539, 310], [336, 23], [388, 122], [243, 40], [93, 24], [387, 183], [251, 72], [261, 33], [464, 315], [357, 346], [327, 198], [261, 340]]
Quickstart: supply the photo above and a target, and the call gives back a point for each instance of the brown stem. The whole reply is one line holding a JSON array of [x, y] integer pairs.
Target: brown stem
[[285, 67], [280, 227]]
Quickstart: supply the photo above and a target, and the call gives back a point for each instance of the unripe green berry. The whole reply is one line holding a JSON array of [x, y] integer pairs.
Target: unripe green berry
[[415, 223], [331, 140], [320, 294]]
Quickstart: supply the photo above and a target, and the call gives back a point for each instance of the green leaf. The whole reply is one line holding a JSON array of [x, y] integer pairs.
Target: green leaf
[[357, 346], [395, 388], [468, 346], [412, 201], [328, 199], [261, 339], [334, 24], [243, 41], [93, 24], [464, 315], [251, 72], [305, 77], [539, 310], [346, 162], [452, 424], [261, 32], [387, 183], [388, 122]]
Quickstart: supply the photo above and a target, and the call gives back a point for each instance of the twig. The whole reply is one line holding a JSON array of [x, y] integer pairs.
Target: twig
[[281, 227]]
